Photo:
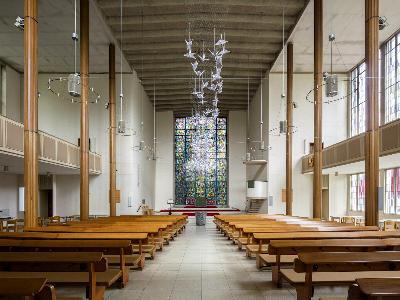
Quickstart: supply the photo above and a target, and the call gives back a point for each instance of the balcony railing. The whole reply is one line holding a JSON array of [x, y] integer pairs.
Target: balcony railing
[[51, 149], [352, 149]]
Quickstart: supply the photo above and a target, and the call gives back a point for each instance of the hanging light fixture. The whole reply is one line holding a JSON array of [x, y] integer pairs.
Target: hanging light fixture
[[331, 80], [70, 87], [122, 129], [154, 122], [282, 121], [282, 127], [331, 89]]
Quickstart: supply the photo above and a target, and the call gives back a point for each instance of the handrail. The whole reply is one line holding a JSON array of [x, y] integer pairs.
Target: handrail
[[49, 151], [387, 146]]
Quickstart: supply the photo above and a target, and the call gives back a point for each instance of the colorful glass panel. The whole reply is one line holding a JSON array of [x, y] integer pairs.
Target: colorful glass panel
[[212, 185]]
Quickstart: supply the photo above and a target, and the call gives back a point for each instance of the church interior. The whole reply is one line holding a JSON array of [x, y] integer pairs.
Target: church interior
[[199, 149]]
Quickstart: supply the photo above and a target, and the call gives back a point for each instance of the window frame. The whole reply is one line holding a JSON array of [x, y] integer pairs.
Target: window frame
[[395, 191], [357, 201], [358, 130], [226, 204]]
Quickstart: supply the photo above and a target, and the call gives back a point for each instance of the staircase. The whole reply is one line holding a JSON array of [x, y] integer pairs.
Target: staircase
[[254, 205]]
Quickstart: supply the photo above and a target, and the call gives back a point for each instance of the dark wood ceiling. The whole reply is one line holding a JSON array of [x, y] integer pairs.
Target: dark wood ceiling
[[153, 42]]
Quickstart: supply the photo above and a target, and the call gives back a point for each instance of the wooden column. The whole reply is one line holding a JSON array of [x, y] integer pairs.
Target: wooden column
[[84, 145], [289, 130], [112, 110], [31, 112], [372, 112], [318, 53]]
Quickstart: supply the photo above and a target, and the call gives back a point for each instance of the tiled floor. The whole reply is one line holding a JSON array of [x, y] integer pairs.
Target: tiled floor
[[202, 264]]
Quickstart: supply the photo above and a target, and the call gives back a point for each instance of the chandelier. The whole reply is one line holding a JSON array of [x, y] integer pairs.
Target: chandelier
[[207, 86], [206, 91], [69, 87]]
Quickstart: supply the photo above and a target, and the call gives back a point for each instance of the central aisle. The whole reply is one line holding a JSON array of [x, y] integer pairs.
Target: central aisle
[[200, 264]]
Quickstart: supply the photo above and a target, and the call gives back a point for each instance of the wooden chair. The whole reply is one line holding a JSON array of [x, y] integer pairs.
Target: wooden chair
[[389, 225], [335, 219], [348, 220]]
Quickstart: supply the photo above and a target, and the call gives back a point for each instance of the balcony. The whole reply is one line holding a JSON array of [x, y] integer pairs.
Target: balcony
[[55, 155], [352, 150]]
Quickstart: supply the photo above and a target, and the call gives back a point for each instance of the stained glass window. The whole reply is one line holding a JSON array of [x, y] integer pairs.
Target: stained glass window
[[392, 191], [213, 184], [357, 192]]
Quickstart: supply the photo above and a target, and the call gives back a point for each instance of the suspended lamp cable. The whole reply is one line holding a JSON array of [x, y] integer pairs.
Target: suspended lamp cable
[[154, 120], [261, 114], [283, 51], [121, 95], [75, 37]]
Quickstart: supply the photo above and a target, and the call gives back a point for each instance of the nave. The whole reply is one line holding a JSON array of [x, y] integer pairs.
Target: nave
[[202, 264]]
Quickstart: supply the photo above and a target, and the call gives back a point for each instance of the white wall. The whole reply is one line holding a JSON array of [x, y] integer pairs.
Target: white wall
[[9, 193], [11, 106], [261, 98], [334, 130], [135, 173], [12, 94], [164, 184], [237, 150]]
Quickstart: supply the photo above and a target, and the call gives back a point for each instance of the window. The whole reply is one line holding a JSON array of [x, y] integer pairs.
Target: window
[[358, 100], [357, 192], [392, 191], [213, 185], [392, 75]]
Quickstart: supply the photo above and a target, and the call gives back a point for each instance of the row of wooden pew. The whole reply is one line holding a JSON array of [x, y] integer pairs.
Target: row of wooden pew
[[94, 254], [308, 252]]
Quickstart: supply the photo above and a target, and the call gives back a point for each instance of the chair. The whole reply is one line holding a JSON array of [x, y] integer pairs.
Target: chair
[[389, 225], [348, 220]]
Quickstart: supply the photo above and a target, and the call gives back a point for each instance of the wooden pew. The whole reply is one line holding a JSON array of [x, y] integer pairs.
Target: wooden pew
[[247, 232], [265, 238], [29, 289], [339, 268], [168, 229], [15, 288], [117, 252], [375, 289], [155, 233], [301, 233], [284, 252], [134, 238], [178, 221], [61, 268]]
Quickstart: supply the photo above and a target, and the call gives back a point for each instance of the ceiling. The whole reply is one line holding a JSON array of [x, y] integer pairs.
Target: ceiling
[[346, 20], [154, 35], [56, 24]]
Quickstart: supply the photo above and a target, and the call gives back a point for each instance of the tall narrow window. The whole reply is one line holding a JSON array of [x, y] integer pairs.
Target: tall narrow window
[[392, 76], [357, 192], [358, 100], [392, 191], [189, 185]]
